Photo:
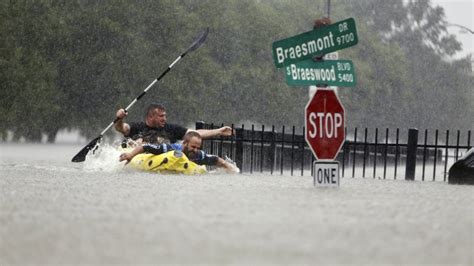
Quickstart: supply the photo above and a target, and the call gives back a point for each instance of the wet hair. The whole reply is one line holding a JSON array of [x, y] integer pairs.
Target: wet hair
[[190, 135], [152, 107]]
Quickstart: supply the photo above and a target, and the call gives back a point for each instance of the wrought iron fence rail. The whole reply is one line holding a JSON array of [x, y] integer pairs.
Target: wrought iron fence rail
[[271, 151]]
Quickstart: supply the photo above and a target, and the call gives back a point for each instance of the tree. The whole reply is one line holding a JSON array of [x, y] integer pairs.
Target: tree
[[72, 64], [29, 95], [418, 42]]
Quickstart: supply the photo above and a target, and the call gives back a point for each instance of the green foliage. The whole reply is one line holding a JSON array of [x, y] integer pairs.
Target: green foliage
[[413, 84], [71, 64]]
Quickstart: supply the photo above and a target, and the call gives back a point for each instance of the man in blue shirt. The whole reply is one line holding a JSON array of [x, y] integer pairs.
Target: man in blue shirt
[[190, 147]]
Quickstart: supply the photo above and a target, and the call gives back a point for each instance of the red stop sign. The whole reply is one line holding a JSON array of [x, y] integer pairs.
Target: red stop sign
[[324, 119]]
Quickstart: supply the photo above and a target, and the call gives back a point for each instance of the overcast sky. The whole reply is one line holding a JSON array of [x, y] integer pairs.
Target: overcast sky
[[460, 12]]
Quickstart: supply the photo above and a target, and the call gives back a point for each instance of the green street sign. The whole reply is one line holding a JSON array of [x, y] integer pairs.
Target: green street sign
[[319, 41], [332, 73]]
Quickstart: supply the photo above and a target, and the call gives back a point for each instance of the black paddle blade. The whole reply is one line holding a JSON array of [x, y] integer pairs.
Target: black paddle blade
[[81, 156], [199, 41]]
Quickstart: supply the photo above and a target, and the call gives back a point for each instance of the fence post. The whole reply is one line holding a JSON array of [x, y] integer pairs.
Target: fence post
[[411, 154], [239, 148], [200, 124]]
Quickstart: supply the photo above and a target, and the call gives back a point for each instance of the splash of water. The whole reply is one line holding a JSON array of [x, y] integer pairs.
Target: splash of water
[[234, 169], [105, 158]]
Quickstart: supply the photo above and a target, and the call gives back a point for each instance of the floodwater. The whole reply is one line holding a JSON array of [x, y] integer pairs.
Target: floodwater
[[53, 211]]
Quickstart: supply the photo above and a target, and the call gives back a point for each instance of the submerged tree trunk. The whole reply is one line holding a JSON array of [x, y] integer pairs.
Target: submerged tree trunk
[[51, 134], [33, 136]]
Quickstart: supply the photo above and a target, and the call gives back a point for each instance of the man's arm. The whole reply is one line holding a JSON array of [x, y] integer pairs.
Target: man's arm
[[121, 126], [228, 167], [225, 131], [129, 156], [147, 147], [209, 159]]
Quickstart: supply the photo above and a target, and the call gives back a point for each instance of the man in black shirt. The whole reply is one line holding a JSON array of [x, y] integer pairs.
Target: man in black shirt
[[155, 123]]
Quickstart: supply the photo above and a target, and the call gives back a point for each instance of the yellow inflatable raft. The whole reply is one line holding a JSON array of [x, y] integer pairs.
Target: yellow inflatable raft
[[169, 162]]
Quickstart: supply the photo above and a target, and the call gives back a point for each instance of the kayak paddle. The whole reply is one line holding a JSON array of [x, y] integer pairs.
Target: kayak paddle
[[81, 155]]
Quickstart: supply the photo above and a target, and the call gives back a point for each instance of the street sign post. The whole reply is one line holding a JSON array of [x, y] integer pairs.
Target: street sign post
[[319, 41], [330, 73], [332, 56], [324, 120]]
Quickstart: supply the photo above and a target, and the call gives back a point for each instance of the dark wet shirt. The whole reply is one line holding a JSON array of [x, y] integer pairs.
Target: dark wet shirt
[[170, 132]]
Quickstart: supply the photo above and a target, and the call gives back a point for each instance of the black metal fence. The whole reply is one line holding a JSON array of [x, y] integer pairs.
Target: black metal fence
[[373, 153]]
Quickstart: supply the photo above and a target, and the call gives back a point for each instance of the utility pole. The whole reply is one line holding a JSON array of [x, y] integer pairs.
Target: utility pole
[[328, 8]]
